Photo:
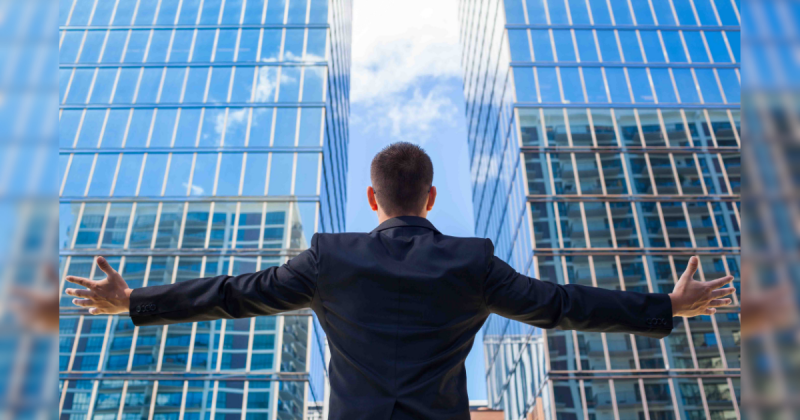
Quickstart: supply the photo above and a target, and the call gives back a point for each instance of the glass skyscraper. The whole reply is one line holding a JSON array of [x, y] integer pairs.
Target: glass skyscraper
[[197, 138], [604, 138]]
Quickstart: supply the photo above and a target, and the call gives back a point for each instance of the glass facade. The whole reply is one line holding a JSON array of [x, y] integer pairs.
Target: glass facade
[[197, 138], [604, 140]]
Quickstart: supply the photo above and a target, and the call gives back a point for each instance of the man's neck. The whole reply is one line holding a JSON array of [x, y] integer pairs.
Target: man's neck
[[383, 217]]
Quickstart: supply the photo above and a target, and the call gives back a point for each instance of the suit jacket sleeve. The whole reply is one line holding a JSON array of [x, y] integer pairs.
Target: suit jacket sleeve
[[267, 292], [573, 307]]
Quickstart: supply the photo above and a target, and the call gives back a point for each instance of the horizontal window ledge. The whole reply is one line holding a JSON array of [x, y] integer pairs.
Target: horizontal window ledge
[[635, 198], [184, 252], [190, 150], [626, 27], [588, 375], [199, 105], [256, 376], [628, 149], [541, 252], [603, 105], [77, 311], [221, 26], [630, 65], [195, 64], [193, 199]]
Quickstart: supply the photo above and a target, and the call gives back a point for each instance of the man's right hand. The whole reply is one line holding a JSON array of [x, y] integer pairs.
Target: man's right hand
[[693, 298], [103, 297]]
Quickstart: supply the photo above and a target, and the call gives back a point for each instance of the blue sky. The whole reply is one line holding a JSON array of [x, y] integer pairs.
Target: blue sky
[[406, 86]]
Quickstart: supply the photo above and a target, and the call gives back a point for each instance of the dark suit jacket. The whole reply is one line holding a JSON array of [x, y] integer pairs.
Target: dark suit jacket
[[401, 306]]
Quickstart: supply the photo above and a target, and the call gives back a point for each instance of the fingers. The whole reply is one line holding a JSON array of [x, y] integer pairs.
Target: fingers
[[105, 266], [716, 294], [83, 302], [80, 293], [691, 268], [710, 311], [716, 284], [95, 311], [716, 303], [80, 281]]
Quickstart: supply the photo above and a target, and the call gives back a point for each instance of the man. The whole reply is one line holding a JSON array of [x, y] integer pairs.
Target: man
[[401, 305]]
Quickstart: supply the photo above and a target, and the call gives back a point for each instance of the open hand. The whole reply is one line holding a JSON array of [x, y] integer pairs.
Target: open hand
[[692, 298], [108, 296]]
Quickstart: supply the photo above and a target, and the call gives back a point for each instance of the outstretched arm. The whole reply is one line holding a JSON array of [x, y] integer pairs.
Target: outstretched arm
[[575, 307], [267, 292]]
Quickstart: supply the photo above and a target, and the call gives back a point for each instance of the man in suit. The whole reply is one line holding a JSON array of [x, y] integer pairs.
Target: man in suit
[[401, 305]]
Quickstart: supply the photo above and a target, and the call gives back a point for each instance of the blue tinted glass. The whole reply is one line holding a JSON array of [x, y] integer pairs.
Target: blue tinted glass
[[203, 45], [630, 47], [686, 86], [261, 127], [103, 176], [91, 128], [708, 86], [315, 45], [92, 47], [697, 49], [290, 84], [548, 84], [79, 89], [306, 179], [128, 176], [652, 47], [148, 87], [102, 13], [310, 127], [145, 15], [78, 175], [163, 128], [81, 12], [181, 46], [542, 47], [608, 46], [734, 39], [293, 46], [173, 85], [297, 11], [159, 46], [189, 11], [586, 47], [232, 12], [730, 84], [255, 174], [271, 44], [675, 51], [571, 80], [266, 84], [663, 85], [204, 171], [716, 43], [196, 85], [124, 13], [622, 14], [726, 12], [230, 170], [579, 12], [213, 124], [618, 85], [209, 15], [558, 12], [276, 11], [236, 127], [103, 86], [167, 12], [595, 85], [536, 11], [242, 84], [139, 128], [188, 124], [226, 45], [220, 82], [640, 84], [664, 13], [178, 178], [253, 11], [115, 128], [514, 11], [319, 11], [600, 12], [137, 47], [248, 46], [641, 9], [518, 43], [285, 124], [683, 8], [280, 174], [706, 12], [525, 84], [114, 46], [564, 48], [126, 85], [153, 177], [313, 81]]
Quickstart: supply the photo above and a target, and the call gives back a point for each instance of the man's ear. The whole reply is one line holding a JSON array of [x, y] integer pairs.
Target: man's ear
[[431, 198], [373, 204]]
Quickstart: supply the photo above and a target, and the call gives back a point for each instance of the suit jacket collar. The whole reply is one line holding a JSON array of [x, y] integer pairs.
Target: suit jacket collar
[[405, 221]]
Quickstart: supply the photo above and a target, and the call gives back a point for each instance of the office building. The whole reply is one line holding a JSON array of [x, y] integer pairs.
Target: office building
[[604, 140], [197, 138]]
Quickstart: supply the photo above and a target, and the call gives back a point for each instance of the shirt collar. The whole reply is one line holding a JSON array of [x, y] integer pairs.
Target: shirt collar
[[405, 221]]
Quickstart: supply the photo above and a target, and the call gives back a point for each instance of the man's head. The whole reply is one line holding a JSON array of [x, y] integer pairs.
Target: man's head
[[402, 177]]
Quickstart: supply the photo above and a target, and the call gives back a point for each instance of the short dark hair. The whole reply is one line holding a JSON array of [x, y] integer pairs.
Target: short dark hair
[[402, 175]]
